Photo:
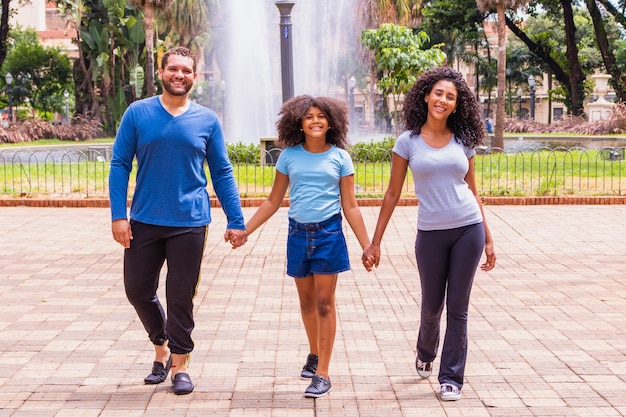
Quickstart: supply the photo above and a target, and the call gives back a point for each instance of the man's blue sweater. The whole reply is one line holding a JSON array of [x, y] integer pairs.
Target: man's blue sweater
[[171, 185]]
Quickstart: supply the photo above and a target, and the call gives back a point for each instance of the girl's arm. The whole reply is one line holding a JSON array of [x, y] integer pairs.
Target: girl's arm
[[351, 210], [470, 179], [399, 166], [271, 204]]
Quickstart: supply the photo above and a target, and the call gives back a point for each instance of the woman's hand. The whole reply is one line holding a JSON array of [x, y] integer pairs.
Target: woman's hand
[[371, 257], [490, 263]]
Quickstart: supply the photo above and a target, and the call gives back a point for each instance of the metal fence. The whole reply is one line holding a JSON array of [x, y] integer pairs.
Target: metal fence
[[83, 173]]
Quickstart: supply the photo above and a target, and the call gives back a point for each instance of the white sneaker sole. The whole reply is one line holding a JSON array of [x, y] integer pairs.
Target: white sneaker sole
[[311, 395]]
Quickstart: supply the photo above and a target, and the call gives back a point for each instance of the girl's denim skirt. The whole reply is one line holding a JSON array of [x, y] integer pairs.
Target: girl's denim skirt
[[316, 248]]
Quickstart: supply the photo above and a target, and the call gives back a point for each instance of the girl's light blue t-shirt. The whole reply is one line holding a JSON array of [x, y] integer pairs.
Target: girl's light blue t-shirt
[[445, 201], [314, 181]]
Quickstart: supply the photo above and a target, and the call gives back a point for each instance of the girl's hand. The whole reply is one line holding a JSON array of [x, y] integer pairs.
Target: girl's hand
[[236, 238], [371, 257]]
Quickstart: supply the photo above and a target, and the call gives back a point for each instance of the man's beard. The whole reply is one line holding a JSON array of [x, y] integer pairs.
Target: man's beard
[[167, 85]]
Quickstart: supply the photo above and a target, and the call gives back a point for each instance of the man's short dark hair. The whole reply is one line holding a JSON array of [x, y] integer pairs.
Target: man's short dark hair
[[181, 51]]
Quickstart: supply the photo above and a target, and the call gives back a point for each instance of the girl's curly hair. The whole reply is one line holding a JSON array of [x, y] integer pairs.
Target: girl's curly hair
[[289, 125], [465, 122]]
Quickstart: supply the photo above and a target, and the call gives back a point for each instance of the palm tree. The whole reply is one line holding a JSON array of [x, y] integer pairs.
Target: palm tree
[[189, 21], [501, 6], [149, 9]]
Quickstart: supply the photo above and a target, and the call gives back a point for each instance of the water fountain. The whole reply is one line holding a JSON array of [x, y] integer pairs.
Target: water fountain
[[247, 45]]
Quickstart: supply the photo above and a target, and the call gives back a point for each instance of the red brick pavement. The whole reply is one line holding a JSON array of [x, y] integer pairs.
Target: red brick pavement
[[546, 326]]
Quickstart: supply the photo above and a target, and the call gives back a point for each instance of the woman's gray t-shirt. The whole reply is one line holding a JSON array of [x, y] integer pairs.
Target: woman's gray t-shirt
[[445, 201]]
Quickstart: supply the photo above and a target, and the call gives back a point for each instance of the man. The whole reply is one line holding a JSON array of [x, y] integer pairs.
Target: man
[[170, 137]]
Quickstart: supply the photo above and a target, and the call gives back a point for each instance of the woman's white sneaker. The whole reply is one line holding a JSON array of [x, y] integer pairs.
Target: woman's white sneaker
[[424, 369], [449, 392]]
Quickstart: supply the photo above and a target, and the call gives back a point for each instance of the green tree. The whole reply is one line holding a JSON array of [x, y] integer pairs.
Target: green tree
[[500, 6], [186, 23], [607, 45], [110, 41], [400, 59], [457, 25], [40, 73], [150, 9], [5, 13], [370, 15], [569, 51]]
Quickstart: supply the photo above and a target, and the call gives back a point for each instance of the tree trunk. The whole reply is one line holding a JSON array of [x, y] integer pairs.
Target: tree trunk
[[149, 26], [498, 140], [576, 75], [4, 29], [608, 57]]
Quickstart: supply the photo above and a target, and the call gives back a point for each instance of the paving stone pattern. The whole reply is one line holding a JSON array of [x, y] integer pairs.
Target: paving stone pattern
[[547, 326]]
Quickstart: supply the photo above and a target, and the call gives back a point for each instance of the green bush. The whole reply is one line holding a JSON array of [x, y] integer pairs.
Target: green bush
[[240, 153], [374, 151]]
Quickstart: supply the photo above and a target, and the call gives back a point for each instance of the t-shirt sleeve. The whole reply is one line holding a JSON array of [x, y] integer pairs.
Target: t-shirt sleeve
[[401, 147], [347, 167], [281, 162]]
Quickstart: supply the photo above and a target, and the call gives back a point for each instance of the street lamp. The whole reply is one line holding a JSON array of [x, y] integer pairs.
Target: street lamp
[[9, 80], [66, 94], [531, 84], [351, 85], [286, 48], [519, 103]]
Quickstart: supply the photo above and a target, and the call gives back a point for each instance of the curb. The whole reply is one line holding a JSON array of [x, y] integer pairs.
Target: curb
[[364, 202]]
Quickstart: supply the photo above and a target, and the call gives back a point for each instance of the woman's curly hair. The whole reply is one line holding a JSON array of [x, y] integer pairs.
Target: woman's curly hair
[[289, 125], [465, 122]]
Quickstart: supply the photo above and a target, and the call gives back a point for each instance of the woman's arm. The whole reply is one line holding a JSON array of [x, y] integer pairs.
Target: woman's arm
[[470, 179], [399, 167]]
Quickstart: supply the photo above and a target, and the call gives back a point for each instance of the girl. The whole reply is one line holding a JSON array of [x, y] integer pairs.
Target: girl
[[320, 174]]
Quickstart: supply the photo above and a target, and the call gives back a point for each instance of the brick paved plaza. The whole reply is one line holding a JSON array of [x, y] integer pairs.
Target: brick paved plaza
[[547, 326]]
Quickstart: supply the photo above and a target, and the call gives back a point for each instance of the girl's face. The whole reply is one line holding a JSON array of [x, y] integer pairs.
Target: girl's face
[[314, 123], [441, 100]]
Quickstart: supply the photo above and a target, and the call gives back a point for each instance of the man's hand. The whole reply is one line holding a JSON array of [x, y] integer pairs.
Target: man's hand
[[122, 233], [236, 237]]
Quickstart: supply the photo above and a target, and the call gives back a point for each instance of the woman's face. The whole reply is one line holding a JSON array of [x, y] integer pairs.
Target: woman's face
[[441, 100], [314, 123]]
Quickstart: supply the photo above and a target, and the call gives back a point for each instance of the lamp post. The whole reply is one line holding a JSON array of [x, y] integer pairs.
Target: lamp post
[[9, 80], [286, 48], [519, 103], [531, 84], [66, 94], [351, 85]]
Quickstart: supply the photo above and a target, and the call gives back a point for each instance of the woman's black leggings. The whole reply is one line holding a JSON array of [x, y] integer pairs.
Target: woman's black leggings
[[447, 262], [182, 248]]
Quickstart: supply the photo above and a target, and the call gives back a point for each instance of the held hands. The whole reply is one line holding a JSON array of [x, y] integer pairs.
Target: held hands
[[236, 237], [371, 257]]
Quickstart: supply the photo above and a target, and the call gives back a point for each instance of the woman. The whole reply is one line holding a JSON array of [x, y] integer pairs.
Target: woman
[[320, 174], [443, 126]]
